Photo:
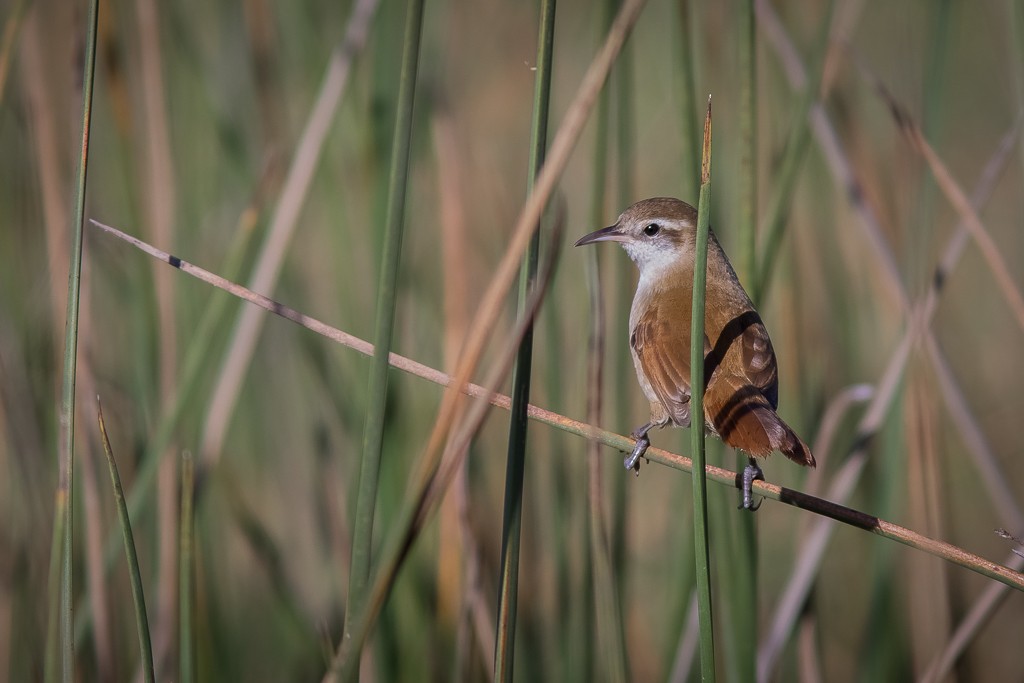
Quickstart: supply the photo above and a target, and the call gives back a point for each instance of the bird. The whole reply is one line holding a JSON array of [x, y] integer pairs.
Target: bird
[[741, 377]]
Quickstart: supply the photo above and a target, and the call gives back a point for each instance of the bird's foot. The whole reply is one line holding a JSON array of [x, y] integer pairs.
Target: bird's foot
[[632, 461], [750, 473]]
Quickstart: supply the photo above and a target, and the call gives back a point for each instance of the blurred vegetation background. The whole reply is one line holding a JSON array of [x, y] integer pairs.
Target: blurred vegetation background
[[198, 113]]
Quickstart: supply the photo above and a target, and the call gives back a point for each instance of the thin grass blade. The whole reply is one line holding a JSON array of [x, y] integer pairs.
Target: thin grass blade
[[134, 574]]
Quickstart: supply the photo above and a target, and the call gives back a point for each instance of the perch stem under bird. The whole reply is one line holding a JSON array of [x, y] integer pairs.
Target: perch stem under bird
[[741, 392]]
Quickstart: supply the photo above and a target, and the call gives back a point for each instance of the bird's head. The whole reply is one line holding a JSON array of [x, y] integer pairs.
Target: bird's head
[[654, 232]]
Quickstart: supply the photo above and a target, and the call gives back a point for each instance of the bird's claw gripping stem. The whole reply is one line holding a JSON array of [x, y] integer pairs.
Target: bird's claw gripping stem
[[750, 473], [632, 461]]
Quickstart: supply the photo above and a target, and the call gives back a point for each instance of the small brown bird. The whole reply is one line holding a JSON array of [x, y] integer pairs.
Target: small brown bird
[[740, 372]]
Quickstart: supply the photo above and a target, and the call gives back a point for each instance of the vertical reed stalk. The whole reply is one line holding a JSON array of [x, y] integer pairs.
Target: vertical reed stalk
[[792, 159], [622, 278], [700, 503], [373, 433], [605, 607], [508, 590], [741, 597], [186, 531], [687, 100], [747, 142], [61, 605]]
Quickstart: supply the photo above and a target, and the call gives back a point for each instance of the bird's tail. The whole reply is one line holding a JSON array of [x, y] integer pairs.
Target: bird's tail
[[744, 419]]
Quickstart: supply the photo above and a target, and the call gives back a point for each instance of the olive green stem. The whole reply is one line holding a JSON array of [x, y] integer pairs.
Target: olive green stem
[[511, 531], [700, 503], [373, 432]]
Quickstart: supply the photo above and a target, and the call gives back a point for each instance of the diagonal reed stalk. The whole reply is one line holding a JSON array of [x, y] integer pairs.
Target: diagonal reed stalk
[[196, 357], [437, 475], [511, 530], [813, 549], [484, 324], [824, 508], [373, 432], [265, 271], [956, 196], [842, 171], [138, 596], [60, 639], [700, 503], [282, 224]]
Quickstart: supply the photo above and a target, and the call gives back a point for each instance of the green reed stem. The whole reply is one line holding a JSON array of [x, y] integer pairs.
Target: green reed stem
[[373, 432], [511, 531], [700, 502], [687, 100], [61, 605], [186, 535], [789, 169], [134, 574]]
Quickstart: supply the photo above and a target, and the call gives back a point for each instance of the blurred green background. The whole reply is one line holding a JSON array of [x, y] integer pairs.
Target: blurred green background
[[198, 111]]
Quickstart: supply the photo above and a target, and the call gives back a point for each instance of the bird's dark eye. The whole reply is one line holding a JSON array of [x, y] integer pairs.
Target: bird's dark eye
[[652, 229]]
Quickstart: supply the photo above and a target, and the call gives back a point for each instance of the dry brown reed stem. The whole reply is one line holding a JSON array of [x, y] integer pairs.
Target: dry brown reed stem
[[36, 83], [929, 612], [435, 468], [808, 659], [842, 171], [159, 192], [954, 193], [492, 302], [282, 227], [726, 477], [982, 609], [838, 162], [838, 407], [918, 325], [457, 541]]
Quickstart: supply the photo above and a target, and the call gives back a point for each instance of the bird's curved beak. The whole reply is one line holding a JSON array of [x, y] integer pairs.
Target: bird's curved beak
[[610, 234]]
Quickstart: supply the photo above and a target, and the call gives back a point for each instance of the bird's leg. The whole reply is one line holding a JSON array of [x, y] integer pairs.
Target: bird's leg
[[750, 473], [632, 461]]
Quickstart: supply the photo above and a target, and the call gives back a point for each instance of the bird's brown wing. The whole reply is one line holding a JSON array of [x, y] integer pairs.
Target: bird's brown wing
[[663, 350], [759, 363]]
